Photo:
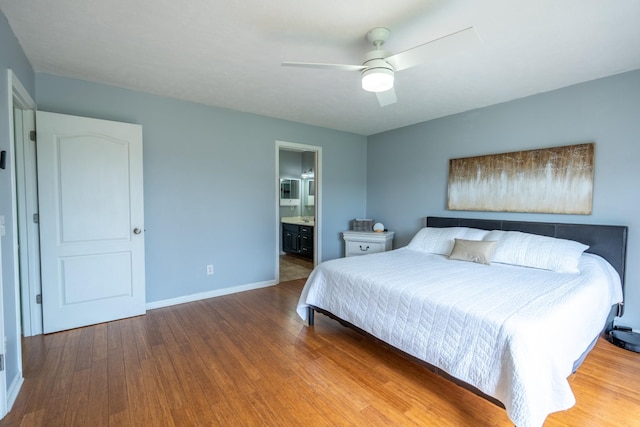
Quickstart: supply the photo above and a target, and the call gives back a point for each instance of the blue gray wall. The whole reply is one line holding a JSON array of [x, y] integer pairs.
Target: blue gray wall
[[11, 57], [210, 183], [408, 168]]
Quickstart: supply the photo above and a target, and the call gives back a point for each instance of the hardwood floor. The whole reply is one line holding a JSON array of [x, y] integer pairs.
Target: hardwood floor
[[247, 359]]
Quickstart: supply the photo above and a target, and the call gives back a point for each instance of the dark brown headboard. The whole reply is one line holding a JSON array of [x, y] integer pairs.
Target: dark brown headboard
[[608, 241]]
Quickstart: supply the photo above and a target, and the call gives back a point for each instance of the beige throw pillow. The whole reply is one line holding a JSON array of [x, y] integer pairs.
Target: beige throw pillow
[[473, 250]]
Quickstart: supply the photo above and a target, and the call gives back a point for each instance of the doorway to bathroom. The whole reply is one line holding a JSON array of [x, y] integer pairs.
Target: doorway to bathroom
[[298, 209]]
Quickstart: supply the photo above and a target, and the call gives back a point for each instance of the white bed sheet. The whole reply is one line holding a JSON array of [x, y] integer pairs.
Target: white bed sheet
[[512, 332]]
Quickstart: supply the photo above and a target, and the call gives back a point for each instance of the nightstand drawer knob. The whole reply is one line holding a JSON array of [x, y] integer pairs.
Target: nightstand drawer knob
[[364, 249]]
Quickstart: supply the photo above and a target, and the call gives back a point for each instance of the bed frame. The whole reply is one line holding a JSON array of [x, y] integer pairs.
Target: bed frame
[[607, 241]]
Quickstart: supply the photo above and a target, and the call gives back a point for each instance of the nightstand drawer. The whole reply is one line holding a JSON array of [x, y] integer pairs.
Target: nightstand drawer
[[363, 248], [366, 242]]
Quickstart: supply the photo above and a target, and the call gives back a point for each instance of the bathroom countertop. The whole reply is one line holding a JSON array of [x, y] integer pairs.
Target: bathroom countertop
[[298, 220]]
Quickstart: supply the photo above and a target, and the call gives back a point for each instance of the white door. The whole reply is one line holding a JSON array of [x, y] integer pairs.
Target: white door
[[91, 220]]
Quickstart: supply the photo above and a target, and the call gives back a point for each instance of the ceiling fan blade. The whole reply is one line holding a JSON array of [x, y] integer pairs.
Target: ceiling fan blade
[[342, 67], [438, 48], [387, 97]]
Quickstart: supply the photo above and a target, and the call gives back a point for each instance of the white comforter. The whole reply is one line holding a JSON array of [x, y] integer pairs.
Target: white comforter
[[512, 332]]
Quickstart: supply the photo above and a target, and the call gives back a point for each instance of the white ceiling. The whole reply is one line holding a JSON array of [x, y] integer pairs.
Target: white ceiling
[[229, 53]]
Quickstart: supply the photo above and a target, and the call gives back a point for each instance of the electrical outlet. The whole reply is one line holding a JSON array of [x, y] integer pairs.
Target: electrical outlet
[[209, 270]]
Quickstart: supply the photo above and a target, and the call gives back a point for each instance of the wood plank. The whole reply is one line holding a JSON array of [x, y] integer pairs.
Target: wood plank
[[168, 380], [99, 348], [77, 413], [156, 399], [85, 347], [98, 391], [247, 359], [117, 387]]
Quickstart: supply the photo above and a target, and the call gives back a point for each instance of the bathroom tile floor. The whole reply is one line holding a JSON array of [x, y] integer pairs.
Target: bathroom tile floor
[[294, 267]]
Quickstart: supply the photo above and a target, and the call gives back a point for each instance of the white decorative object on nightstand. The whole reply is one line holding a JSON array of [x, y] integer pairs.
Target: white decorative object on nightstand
[[366, 242]]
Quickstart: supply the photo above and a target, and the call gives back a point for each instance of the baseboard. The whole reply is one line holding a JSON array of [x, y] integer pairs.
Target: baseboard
[[13, 390], [210, 294]]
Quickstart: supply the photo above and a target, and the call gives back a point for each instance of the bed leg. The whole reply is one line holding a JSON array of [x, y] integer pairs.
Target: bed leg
[[310, 314]]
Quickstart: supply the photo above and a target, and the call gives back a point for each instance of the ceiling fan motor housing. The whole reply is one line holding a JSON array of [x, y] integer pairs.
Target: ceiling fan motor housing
[[378, 76]]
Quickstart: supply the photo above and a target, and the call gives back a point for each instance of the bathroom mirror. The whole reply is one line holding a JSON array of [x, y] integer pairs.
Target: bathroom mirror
[[310, 186], [289, 192]]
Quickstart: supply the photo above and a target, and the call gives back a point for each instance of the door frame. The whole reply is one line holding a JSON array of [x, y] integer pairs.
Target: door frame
[[317, 230], [28, 228], [26, 191], [19, 98]]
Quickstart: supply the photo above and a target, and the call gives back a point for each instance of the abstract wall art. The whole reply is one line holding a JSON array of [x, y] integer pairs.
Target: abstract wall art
[[550, 180]]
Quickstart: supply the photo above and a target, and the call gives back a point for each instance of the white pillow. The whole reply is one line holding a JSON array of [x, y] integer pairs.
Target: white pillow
[[532, 250], [440, 240]]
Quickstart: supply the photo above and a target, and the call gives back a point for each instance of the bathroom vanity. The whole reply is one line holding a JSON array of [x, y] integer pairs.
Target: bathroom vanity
[[297, 236]]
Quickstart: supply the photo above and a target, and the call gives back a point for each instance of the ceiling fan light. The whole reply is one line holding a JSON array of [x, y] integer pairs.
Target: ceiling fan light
[[377, 79]]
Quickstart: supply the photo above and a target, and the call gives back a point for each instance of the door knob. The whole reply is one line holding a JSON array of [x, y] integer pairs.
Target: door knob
[[137, 231]]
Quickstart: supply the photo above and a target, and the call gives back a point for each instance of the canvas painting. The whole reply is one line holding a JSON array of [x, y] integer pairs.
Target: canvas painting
[[550, 180]]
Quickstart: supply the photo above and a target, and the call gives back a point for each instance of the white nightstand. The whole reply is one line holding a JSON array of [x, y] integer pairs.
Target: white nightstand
[[366, 242]]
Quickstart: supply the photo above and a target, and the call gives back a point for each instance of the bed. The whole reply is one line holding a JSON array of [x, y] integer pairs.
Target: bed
[[510, 316]]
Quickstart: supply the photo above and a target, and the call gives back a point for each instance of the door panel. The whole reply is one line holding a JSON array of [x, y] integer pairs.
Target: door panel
[[95, 207], [111, 273], [91, 200]]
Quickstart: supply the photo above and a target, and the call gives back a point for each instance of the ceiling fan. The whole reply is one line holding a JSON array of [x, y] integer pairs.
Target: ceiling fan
[[379, 66]]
